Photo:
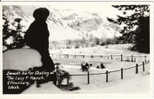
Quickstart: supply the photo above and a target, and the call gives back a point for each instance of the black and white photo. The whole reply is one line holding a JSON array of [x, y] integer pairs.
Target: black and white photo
[[76, 48]]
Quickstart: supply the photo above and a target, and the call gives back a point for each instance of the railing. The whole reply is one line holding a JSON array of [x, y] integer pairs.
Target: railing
[[121, 57], [107, 73], [121, 71], [77, 59]]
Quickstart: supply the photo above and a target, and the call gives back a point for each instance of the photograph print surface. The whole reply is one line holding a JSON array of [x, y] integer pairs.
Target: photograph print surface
[[76, 48]]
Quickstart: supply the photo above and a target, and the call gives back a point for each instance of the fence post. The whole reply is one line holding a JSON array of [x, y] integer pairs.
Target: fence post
[[68, 81], [132, 60], [107, 76], [67, 56], [143, 66], [121, 57], [136, 68], [83, 56], [145, 58], [88, 78], [101, 56], [111, 57], [121, 73]]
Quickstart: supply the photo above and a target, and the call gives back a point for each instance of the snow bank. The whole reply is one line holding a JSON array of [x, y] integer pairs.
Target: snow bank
[[139, 84], [44, 89], [21, 59]]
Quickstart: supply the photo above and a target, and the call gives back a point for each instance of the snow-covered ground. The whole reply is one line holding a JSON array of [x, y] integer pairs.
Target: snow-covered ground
[[21, 59], [139, 84], [132, 83], [114, 49], [44, 89]]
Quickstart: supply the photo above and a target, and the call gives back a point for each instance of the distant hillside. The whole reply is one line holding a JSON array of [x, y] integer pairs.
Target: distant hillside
[[75, 25]]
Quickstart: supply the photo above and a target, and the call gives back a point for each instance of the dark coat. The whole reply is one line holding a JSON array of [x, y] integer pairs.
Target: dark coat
[[37, 36]]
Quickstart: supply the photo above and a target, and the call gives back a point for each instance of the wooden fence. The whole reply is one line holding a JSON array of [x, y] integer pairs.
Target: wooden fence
[[120, 57], [107, 73]]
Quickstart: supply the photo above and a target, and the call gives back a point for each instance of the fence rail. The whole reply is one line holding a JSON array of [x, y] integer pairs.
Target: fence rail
[[107, 73], [121, 57]]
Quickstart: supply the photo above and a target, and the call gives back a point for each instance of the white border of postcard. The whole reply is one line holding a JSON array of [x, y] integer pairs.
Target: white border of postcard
[[84, 96]]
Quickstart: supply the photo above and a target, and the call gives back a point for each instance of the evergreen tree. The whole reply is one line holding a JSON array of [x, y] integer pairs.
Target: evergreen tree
[[13, 36], [136, 29], [142, 39]]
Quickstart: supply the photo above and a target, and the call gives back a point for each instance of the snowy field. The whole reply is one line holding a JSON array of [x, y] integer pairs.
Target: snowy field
[[131, 82], [100, 50], [139, 84], [100, 54]]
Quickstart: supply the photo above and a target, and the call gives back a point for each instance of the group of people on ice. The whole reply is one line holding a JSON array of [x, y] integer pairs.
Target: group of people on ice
[[85, 66]]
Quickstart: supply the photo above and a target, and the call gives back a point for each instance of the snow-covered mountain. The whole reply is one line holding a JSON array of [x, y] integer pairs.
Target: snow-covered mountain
[[67, 23]]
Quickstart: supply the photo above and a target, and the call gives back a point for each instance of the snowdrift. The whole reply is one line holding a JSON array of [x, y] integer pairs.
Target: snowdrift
[[21, 59]]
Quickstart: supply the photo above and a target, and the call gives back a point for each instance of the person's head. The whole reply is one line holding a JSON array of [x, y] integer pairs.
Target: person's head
[[41, 14]]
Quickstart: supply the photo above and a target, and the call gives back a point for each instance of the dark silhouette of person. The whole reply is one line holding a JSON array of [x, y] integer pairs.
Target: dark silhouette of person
[[37, 37], [102, 66]]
